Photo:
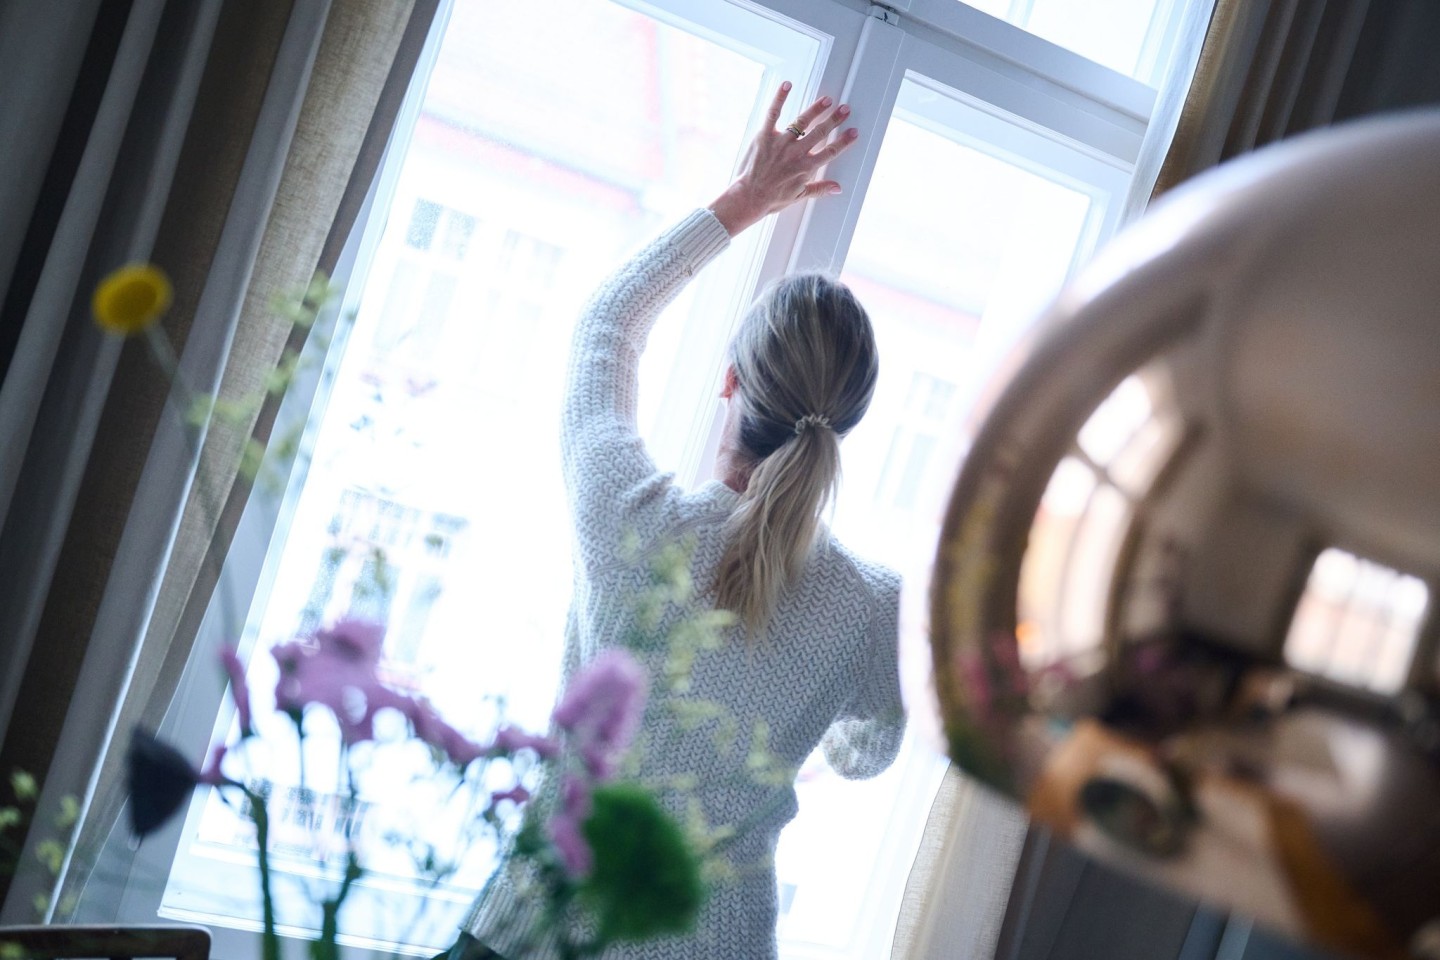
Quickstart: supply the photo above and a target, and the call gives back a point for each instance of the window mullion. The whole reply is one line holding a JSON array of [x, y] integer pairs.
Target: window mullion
[[871, 86]]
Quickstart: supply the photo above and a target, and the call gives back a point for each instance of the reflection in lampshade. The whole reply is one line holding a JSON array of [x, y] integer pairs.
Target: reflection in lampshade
[[1182, 598]]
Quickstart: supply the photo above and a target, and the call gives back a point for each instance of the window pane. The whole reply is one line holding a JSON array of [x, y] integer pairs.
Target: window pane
[[1040, 631], [1091, 569], [952, 269], [433, 502], [1137, 466], [1357, 622], [1131, 436], [1128, 36], [1113, 424]]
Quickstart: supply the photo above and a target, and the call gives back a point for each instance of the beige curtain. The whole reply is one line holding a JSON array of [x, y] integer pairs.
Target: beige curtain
[[351, 71], [340, 71], [1262, 71], [1266, 71], [367, 54]]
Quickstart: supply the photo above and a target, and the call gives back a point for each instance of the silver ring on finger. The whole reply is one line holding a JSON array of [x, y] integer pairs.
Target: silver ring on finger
[[795, 130]]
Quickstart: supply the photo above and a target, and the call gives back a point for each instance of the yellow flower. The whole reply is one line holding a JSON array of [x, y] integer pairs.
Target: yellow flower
[[131, 299]]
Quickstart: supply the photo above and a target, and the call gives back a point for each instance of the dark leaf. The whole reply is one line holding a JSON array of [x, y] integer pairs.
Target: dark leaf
[[159, 780]]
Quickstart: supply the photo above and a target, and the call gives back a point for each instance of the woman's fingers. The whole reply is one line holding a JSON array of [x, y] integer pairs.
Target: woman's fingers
[[821, 130], [777, 170], [819, 188], [778, 104], [809, 115], [836, 147]]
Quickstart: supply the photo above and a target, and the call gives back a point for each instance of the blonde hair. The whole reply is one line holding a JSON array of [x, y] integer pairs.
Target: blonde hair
[[805, 365]]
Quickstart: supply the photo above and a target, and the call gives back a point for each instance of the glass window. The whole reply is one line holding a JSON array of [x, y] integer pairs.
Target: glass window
[[532, 169], [1113, 424], [1075, 538], [1357, 622], [1128, 36], [1040, 632]]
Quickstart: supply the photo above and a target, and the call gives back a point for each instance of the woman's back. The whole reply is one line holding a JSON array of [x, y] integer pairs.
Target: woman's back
[[826, 664], [722, 737]]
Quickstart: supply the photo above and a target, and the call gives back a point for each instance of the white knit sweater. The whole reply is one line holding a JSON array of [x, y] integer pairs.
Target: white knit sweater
[[825, 670]]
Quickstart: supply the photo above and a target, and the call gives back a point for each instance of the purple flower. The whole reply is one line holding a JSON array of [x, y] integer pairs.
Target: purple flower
[[565, 828], [289, 657], [337, 671], [516, 795], [353, 641], [601, 710], [510, 740], [211, 775], [238, 689], [430, 727], [575, 855], [1006, 650], [575, 798], [975, 680]]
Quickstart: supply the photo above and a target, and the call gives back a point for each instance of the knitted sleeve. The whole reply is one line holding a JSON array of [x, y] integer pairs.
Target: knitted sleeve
[[865, 737], [614, 487]]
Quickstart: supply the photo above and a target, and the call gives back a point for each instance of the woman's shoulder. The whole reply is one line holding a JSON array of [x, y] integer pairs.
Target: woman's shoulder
[[837, 564]]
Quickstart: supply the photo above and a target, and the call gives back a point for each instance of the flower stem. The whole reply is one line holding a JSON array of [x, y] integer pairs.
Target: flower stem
[[270, 942], [326, 948], [182, 399]]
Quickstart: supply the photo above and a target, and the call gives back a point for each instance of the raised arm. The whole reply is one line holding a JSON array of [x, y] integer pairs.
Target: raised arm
[[615, 489]]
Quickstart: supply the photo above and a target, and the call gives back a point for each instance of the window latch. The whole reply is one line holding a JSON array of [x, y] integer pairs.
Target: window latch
[[885, 14]]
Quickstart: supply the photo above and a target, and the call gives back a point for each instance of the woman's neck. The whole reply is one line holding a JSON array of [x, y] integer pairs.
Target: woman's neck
[[732, 468]]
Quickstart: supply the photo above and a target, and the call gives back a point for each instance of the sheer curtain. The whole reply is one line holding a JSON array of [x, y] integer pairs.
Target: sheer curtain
[[241, 139]]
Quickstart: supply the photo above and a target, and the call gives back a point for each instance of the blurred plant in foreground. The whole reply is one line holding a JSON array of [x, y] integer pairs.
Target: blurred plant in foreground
[[613, 863]]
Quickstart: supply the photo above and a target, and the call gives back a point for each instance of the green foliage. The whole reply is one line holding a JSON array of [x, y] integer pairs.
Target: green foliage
[[646, 881], [694, 713], [69, 813], [24, 785], [707, 840], [764, 767], [699, 633], [51, 853], [279, 379], [17, 819]]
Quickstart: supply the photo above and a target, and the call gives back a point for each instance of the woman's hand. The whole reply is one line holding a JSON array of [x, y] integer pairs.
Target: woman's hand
[[780, 167]]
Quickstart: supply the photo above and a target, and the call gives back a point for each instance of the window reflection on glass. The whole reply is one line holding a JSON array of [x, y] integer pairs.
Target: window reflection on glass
[[1135, 468], [1080, 525], [1091, 566], [1128, 36], [1115, 421], [1357, 622], [1039, 630]]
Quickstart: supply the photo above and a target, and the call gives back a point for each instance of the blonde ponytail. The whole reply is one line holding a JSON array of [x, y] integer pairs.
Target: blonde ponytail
[[805, 364]]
